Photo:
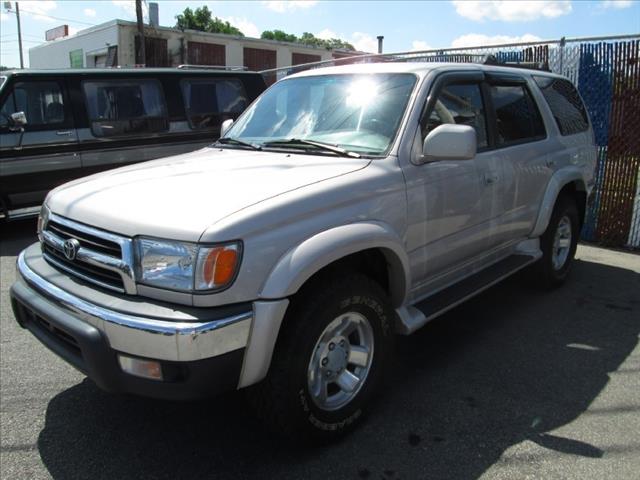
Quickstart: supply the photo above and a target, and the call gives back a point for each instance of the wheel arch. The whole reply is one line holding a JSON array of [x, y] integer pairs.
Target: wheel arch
[[372, 248], [564, 182]]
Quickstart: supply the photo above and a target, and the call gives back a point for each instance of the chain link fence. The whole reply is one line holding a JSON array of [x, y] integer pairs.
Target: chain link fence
[[606, 71]]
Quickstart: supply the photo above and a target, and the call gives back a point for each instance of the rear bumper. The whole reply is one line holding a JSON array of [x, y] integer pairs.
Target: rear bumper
[[198, 358]]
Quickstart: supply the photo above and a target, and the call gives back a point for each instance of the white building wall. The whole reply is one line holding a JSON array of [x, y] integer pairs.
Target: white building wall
[[96, 40], [55, 54]]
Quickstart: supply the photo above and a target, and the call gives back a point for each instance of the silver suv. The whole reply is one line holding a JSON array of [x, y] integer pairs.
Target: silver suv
[[344, 206]]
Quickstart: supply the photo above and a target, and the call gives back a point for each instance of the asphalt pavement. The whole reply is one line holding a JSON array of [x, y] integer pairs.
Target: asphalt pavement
[[516, 383]]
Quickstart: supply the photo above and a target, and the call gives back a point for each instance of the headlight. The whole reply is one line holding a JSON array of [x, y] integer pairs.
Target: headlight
[[186, 266], [43, 218]]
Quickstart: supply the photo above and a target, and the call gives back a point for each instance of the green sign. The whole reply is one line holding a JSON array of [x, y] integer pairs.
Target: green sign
[[76, 58]]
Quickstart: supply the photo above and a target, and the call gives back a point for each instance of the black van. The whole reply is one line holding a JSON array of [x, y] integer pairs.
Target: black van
[[57, 125]]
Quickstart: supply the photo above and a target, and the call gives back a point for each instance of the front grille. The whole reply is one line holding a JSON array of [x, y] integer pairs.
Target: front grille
[[98, 258], [83, 269], [86, 240]]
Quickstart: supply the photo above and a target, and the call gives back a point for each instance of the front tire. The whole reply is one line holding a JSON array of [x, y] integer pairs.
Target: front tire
[[330, 358], [558, 244]]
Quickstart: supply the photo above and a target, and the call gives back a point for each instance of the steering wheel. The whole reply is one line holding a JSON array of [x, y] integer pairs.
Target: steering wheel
[[380, 126]]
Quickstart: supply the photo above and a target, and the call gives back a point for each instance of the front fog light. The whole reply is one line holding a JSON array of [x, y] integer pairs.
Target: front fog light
[[140, 367]]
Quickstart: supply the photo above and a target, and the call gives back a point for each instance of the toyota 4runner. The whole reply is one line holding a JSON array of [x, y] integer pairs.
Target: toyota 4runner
[[344, 206]]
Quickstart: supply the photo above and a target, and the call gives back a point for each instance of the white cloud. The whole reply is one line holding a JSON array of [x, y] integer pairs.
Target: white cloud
[[73, 30], [420, 45], [245, 26], [511, 11], [38, 10], [327, 34], [129, 9], [477, 40], [364, 42], [90, 12], [284, 6], [616, 4]]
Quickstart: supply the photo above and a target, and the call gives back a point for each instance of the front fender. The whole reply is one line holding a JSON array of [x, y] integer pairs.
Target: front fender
[[558, 181], [302, 261]]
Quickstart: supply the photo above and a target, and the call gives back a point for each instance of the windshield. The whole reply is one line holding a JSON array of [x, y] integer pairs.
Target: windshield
[[360, 113]]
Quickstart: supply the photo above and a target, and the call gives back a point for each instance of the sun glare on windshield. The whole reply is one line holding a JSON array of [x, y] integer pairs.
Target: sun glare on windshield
[[361, 93]]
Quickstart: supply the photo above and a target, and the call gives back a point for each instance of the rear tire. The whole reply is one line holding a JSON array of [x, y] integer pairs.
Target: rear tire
[[558, 244], [335, 344]]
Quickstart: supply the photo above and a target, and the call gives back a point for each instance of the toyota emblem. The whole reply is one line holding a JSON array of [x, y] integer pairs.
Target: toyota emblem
[[71, 247]]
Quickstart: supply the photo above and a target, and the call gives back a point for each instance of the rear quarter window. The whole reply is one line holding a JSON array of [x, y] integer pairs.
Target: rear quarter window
[[565, 104], [125, 107]]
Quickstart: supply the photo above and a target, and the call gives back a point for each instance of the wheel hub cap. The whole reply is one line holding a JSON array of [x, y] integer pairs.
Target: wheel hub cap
[[561, 243], [341, 361]]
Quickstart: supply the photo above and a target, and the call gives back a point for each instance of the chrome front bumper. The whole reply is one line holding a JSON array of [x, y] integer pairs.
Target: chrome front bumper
[[147, 337]]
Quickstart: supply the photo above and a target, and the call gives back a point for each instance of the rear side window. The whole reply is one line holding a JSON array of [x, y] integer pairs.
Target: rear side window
[[208, 102], [517, 116], [42, 103], [125, 107], [565, 103], [460, 104]]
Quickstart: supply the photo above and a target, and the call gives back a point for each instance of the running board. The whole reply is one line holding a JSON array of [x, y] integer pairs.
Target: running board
[[28, 212], [416, 316]]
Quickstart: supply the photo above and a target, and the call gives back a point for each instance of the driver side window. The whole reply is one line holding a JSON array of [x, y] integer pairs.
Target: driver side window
[[459, 104], [42, 103]]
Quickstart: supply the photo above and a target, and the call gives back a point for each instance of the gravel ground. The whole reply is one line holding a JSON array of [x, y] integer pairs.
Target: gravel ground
[[514, 384]]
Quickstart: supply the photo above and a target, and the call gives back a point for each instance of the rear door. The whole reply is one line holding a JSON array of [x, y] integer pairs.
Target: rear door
[[522, 151], [43, 155]]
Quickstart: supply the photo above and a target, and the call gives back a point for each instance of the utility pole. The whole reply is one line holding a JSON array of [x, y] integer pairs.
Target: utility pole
[[140, 52], [19, 35], [7, 5]]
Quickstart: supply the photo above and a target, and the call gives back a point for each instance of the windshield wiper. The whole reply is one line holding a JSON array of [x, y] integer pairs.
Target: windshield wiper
[[321, 145], [235, 141]]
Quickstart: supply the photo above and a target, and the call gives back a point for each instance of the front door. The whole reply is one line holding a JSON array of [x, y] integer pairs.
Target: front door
[[454, 205], [43, 155]]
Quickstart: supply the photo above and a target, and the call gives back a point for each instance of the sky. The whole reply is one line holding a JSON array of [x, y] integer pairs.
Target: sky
[[406, 25]]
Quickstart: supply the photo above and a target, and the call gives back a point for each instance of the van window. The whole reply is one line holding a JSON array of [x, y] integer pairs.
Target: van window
[[42, 103], [208, 102], [517, 116], [125, 107], [565, 103], [460, 104]]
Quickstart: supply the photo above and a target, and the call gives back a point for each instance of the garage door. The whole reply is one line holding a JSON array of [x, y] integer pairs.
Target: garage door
[[257, 59], [199, 53]]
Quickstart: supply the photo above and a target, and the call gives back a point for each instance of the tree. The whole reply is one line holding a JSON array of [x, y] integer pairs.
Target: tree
[[202, 19], [330, 44], [307, 39], [279, 35]]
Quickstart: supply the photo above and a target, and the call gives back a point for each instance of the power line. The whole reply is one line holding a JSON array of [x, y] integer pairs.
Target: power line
[[24, 35], [23, 41], [56, 18]]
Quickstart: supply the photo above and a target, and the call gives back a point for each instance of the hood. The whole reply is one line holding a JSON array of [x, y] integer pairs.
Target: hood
[[179, 197]]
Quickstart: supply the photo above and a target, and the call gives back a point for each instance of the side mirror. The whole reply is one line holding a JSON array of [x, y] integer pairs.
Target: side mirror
[[226, 125], [449, 142], [18, 120]]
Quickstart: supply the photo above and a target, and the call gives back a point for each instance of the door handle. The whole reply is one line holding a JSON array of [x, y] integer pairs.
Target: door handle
[[551, 162], [65, 133], [490, 178]]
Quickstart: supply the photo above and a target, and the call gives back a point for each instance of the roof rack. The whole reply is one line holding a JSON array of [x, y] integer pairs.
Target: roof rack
[[492, 60], [187, 66]]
